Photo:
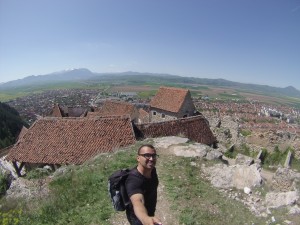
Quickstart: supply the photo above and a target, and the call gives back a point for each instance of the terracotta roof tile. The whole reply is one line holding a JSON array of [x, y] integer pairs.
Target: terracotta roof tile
[[71, 140], [115, 108], [169, 98]]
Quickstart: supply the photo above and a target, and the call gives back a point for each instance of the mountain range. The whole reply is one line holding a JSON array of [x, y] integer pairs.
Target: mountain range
[[80, 75]]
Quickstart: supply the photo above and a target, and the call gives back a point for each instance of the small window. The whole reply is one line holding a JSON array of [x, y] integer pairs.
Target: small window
[[154, 113], [163, 115]]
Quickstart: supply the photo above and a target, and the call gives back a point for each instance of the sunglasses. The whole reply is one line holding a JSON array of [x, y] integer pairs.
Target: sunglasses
[[148, 155]]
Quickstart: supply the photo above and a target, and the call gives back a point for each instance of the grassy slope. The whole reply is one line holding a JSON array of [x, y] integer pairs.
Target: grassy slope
[[195, 200], [80, 196]]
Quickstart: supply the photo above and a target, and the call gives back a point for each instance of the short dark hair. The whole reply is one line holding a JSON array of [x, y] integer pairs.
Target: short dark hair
[[145, 145]]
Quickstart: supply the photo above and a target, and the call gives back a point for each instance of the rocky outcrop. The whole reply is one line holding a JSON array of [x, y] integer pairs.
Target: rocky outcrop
[[179, 146], [192, 150], [27, 189], [241, 159], [166, 142], [236, 176], [284, 180], [276, 200], [213, 154], [226, 129], [7, 172]]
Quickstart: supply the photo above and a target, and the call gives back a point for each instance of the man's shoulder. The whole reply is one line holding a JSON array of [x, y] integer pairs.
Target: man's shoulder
[[135, 174], [134, 183]]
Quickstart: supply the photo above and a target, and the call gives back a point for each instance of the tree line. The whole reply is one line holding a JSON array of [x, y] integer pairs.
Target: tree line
[[10, 125]]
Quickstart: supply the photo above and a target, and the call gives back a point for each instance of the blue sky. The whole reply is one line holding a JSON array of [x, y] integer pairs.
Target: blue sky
[[249, 41]]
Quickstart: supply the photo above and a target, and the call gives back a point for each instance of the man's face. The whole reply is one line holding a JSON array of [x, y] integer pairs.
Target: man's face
[[147, 157]]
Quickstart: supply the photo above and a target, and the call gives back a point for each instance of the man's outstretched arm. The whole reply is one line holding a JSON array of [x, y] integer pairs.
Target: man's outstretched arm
[[140, 210]]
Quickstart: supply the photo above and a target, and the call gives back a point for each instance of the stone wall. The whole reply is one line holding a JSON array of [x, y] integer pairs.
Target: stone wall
[[158, 117], [188, 107], [195, 128], [135, 115]]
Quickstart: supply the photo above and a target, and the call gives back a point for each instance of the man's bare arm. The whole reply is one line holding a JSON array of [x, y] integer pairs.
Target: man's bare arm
[[141, 211]]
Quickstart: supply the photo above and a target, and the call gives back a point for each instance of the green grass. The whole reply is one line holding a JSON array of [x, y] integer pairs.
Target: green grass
[[245, 132], [295, 164], [242, 149], [3, 183], [147, 94], [227, 96], [6, 96]]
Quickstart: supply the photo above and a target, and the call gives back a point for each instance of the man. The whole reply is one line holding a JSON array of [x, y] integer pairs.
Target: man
[[141, 186]]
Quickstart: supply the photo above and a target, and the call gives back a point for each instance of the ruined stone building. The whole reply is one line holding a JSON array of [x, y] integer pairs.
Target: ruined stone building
[[171, 103]]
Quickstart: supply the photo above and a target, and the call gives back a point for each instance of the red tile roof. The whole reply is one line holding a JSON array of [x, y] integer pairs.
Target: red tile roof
[[114, 108], [169, 99], [71, 140]]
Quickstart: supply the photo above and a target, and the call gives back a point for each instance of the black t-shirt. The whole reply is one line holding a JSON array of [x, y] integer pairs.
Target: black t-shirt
[[136, 183]]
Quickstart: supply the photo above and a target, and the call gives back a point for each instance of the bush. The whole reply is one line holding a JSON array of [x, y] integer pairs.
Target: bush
[[243, 149], [12, 217], [4, 183], [231, 153], [245, 133], [37, 173]]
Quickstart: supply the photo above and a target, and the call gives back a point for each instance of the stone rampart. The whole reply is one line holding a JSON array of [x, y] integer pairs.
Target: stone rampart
[[195, 128]]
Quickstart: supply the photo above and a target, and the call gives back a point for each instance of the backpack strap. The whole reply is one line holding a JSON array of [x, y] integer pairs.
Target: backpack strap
[[126, 199]]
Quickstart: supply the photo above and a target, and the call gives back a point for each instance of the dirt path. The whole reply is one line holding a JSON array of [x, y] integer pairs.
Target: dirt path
[[163, 208], [119, 219]]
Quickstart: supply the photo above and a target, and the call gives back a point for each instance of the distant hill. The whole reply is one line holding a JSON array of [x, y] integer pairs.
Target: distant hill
[[80, 75]]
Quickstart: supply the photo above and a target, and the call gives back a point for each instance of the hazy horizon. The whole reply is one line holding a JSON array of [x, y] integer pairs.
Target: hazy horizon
[[141, 73]]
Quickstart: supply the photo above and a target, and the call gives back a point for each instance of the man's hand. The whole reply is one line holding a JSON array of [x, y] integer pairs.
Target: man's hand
[[151, 221], [156, 221]]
